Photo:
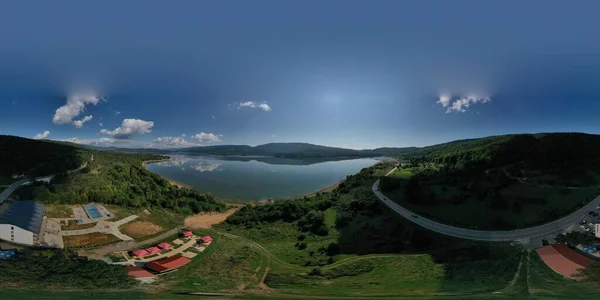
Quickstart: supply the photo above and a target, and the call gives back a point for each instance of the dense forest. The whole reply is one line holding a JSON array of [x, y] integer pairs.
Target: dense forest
[[20, 156], [120, 178], [60, 269], [558, 153]]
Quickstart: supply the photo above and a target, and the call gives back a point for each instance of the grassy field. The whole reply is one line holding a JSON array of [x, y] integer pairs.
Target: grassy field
[[234, 264], [58, 210], [160, 217], [89, 240], [403, 173]]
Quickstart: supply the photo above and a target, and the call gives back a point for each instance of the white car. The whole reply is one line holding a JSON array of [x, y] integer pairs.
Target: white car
[[587, 229], [582, 227]]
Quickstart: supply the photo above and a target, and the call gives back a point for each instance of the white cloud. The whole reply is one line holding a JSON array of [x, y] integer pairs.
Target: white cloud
[[43, 135], [74, 107], [461, 104], [251, 104], [444, 100], [247, 104], [79, 123], [128, 128], [264, 107], [213, 117], [117, 112], [100, 123], [273, 136], [174, 141], [206, 137]]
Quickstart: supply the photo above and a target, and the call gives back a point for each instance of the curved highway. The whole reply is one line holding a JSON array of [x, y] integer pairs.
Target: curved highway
[[484, 235], [19, 183]]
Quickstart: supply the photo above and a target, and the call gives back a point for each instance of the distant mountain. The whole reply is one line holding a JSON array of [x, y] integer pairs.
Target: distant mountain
[[293, 150]]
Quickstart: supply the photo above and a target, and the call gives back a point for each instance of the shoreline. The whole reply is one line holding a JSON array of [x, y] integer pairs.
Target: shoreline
[[326, 189], [171, 181]]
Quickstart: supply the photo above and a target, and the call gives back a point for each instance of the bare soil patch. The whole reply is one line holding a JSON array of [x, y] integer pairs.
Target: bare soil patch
[[140, 229], [90, 239], [74, 226], [206, 220]]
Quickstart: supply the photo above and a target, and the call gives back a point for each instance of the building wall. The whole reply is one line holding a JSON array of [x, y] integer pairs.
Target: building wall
[[16, 234]]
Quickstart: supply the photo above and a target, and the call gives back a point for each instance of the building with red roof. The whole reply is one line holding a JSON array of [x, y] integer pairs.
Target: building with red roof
[[564, 260], [164, 245], [187, 234], [167, 264], [153, 250], [206, 239], [140, 252], [138, 272]]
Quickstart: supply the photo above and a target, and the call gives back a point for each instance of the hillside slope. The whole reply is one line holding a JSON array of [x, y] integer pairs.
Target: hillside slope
[[36, 158], [554, 152]]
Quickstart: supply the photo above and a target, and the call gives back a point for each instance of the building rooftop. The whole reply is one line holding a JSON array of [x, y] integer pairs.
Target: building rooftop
[[138, 272], [173, 262], [564, 260], [26, 214]]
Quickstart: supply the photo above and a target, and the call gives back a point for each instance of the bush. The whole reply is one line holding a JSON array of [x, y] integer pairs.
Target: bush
[[62, 269], [315, 272]]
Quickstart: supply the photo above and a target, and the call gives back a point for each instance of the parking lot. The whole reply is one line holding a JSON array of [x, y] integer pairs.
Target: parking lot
[[591, 218]]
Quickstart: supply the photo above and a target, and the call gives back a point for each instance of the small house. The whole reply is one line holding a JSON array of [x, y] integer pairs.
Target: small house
[[140, 252], [164, 245], [206, 239], [187, 234], [153, 250]]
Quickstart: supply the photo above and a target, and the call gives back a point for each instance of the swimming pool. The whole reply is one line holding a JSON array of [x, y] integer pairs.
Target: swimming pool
[[92, 211]]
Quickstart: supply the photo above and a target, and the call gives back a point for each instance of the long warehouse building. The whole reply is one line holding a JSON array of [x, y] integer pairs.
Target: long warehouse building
[[21, 222]]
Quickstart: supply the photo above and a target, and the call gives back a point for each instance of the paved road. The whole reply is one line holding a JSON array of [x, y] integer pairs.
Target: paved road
[[484, 235], [19, 183]]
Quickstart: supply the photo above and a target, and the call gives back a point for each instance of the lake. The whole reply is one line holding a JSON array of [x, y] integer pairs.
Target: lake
[[257, 178]]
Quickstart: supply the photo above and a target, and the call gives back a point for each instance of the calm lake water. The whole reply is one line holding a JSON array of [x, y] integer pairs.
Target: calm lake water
[[257, 178]]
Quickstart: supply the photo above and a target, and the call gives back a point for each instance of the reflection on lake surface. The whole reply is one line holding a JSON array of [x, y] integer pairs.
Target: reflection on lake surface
[[257, 178]]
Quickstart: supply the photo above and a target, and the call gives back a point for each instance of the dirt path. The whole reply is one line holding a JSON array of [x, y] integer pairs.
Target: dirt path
[[517, 274], [206, 220]]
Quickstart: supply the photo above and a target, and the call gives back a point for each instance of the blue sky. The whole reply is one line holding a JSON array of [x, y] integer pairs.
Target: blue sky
[[342, 73]]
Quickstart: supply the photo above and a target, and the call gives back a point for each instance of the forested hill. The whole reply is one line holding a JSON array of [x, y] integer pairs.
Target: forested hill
[[560, 152], [295, 150], [112, 178], [36, 158]]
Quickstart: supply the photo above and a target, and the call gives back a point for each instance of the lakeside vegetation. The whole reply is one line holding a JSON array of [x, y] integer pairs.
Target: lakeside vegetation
[[120, 179]]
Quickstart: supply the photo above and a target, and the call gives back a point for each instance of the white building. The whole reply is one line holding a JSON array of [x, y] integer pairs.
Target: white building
[[21, 222]]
